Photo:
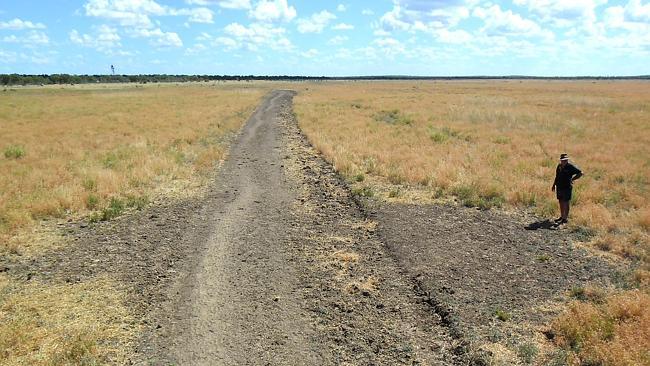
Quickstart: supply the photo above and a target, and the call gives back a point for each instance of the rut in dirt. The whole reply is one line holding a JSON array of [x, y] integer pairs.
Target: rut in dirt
[[288, 271]]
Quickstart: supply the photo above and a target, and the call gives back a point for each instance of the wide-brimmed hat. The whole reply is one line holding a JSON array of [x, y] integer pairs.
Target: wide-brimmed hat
[[564, 156]]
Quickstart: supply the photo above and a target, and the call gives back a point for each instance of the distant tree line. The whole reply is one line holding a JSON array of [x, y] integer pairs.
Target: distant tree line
[[21, 79]]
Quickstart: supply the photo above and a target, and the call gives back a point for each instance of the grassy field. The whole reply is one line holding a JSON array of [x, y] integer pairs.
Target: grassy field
[[495, 144], [93, 152], [98, 150]]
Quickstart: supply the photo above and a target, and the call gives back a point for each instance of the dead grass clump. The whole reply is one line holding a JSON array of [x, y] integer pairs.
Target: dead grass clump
[[346, 257], [616, 332], [365, 287], [64, 324]]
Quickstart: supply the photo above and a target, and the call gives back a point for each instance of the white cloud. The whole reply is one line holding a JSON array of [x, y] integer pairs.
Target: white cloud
[[337, 40], [226, 4], [196, 15], [367, 12], [453, 37], [389, 46], [635, 11], [7, 57], [226, 42], [500, 22], [138, 13], [18, 24], [131, 13], [311, 53], [273, 10], [633, 30], [258, 35], [31, 38], [562, 12], [158, 38], [341, 8], [343, 26], [316, 23], [106, 38], [197, 48], [380, 33], [425, 15]]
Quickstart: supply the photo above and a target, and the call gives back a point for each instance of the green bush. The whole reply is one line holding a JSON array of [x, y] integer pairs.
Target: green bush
[[393, 117], [440, 135], [365, 191], [14, 152], [471, 196], [502, 315], [92, 201]]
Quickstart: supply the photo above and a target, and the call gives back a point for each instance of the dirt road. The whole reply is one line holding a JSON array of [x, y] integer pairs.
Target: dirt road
[[288, 272]]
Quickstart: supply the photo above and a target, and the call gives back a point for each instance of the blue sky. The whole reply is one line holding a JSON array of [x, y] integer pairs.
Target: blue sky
[[331, 38]]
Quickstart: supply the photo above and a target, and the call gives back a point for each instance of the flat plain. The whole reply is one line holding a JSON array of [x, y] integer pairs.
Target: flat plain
[[495, 145], [415, 194]]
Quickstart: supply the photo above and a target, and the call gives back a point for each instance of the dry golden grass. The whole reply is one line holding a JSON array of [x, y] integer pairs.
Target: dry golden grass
[[96, 151], [495, 144], [70, 151], [616, 332], [80, 324]]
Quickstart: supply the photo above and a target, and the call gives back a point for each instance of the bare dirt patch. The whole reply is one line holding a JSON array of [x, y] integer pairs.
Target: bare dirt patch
[[495, 277]]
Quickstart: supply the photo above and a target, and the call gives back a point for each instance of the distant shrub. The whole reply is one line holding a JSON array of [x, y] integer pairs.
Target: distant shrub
[[117, 206], [137, 202], [527, 352], [394, 193], [359, 177], [110, 160], [14, 152], [440, 135], [472, 196], [502, 140], [393, 117], [365, 191], [502, 315], [92, 201], [89, 184]]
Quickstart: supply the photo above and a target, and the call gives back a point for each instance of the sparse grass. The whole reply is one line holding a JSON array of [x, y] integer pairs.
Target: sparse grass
[[80, 324], [502, 315], [365, 191], [614, 332], [393, 117], [527, 352], [69, 152], [495, 144]]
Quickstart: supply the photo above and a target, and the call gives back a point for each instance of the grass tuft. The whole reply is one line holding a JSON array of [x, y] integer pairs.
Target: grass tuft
[[14, 152], [393, 117], [502, 315]]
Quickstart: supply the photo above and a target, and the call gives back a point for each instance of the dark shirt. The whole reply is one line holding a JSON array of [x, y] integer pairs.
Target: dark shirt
[[563, 175]]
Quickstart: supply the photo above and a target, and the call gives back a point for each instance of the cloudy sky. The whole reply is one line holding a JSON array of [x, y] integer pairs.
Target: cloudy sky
[[331, 38]]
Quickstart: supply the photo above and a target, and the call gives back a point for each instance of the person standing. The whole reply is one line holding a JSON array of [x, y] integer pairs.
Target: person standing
[[565, 174]]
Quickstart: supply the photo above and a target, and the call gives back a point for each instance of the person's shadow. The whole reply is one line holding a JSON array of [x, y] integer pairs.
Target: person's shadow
[[546, 224]]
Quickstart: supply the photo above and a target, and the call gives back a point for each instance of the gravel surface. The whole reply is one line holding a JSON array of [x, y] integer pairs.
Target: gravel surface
[[473, 263]]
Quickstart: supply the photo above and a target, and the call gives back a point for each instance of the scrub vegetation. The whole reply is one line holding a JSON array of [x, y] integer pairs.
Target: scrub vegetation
[[495, 144]]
